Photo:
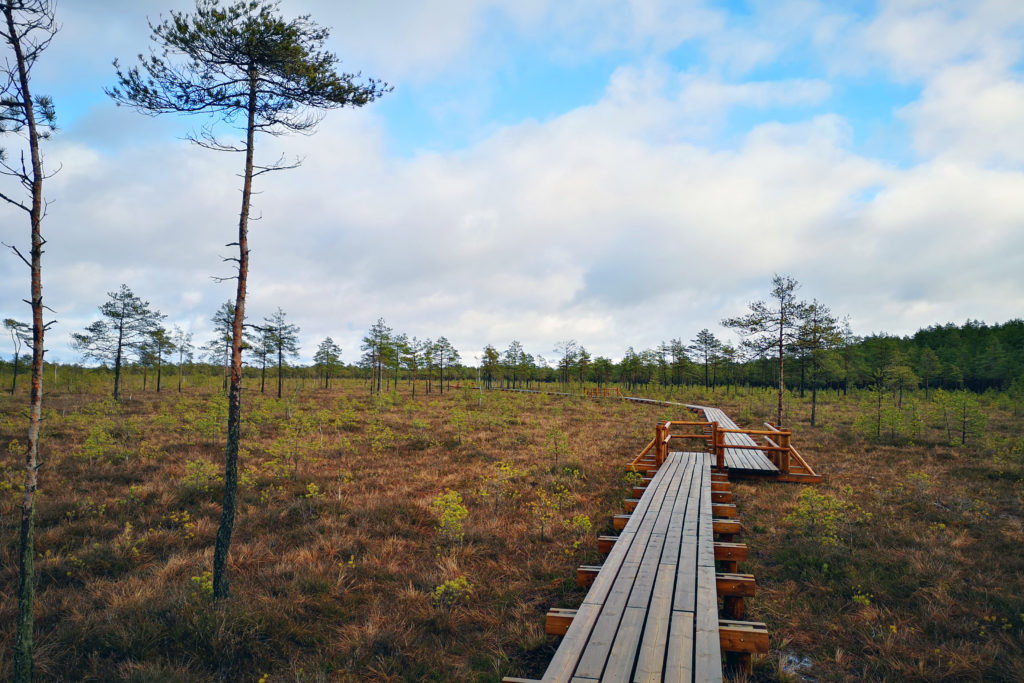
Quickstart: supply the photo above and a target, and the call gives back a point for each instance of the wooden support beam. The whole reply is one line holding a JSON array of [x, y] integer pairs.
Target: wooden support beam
[[629, 504], [724, 510], [720, 486], [605, 543], [638, 491], [732, 607], [737, 585], [719, 476], [558, 621], [619, 522], [743, 636], [719, 526], [717, 496], [513, 679], [586, 573], [731, 552]]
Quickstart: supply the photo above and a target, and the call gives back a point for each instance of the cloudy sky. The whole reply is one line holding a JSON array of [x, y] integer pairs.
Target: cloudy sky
[[618, 172]]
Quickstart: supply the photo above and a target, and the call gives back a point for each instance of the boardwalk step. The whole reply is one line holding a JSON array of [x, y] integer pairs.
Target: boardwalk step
[[728, 584], [734, 636], [734, 552]]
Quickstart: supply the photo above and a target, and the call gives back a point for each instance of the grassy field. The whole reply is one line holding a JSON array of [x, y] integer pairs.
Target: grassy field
[[394, 538]]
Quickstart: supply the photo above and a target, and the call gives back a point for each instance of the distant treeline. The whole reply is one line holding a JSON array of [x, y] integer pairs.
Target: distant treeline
[[973, 356]]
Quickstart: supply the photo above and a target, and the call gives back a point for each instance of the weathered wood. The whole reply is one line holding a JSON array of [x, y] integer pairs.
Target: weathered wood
[[731, 584], [652, 610], [586, 573], [629, 504], [721, 497], [727, 526], [724, 510], [743, 636], [735, 552], [558, 621]]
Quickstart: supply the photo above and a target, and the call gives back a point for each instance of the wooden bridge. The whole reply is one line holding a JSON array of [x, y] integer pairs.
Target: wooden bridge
[[668, 603]]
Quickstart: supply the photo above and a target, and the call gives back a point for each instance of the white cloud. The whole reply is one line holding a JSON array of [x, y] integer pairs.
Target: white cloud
[[970, 112], [622, 222]]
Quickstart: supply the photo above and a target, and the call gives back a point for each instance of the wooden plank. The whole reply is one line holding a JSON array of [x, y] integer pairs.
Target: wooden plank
[[679, 654], [567, 654], [651, 657], [613, 599], [707, 658], [624, 650]]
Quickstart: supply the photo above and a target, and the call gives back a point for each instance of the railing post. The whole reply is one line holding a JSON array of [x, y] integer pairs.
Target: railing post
[[718, 439], [660, 447], [784, 455]]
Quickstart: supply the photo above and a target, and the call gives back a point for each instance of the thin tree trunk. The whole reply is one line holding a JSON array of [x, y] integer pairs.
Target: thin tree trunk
[[159, 368], [23, 649], [280, 378], [14, 382], [227, 518], [117, 369]]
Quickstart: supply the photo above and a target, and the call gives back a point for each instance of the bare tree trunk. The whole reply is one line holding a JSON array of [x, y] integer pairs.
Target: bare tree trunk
[[280, 364], [227, 517], [23, 649]]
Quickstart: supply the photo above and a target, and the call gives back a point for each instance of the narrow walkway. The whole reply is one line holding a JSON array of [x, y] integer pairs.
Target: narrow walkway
[[652, 610]]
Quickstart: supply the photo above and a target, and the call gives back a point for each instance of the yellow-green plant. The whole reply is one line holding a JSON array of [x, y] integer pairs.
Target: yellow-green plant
[[201, 475], [451, 513], [823, 516], [451, 592]]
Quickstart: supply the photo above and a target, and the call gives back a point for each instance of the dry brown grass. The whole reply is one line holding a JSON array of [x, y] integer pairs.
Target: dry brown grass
[[336, 555]]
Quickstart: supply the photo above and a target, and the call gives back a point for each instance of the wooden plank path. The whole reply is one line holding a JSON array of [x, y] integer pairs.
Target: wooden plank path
[[738, 458], [652, 610]]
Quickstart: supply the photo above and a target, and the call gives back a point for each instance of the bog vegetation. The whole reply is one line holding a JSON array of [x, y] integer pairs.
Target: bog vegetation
[[386, 537]]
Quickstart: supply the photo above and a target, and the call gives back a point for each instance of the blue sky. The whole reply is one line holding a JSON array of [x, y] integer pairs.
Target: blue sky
[[618, 172]]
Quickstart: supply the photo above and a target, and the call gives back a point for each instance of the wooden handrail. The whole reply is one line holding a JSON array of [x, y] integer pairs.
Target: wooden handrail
[[781, 451]]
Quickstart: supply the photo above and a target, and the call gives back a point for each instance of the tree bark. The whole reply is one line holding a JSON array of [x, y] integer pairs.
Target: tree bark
[[227, 518], [23, 649]]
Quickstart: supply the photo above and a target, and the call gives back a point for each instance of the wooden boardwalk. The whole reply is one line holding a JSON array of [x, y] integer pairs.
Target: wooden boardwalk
[[652, 611], [737, 458]]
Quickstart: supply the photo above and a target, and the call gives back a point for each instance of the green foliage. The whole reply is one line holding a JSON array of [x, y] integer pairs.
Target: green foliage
[[823, 517], [580, 527], [98, 442], [451, 592], [458, 420], [380, 435], [543, 510], [203, 584], [451, 513], [201, 475], [557, 444]]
